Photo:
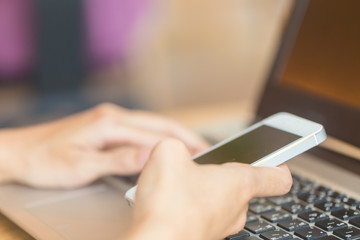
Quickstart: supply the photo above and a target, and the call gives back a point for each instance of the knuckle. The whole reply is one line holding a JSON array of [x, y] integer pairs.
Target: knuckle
[[253, 182], [104, 112], [105, 108], [172, 125]]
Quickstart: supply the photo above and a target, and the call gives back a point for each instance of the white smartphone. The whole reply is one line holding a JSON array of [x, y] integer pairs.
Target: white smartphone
[[268, 143]]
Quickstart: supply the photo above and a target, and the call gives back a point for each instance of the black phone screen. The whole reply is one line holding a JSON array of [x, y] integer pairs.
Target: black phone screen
[[249, 147]]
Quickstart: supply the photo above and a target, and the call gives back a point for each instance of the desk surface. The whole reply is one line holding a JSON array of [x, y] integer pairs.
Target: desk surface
[[10, 231], [212, 116]]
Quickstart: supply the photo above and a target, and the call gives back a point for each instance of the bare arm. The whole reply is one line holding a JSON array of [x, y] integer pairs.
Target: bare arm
[[76, 150]]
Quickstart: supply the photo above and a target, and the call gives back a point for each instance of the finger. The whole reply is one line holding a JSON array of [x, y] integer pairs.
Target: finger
[[122, 134], [170, 149], [167, 127], [164, 161], [117, 134], [110, 114], [271, 181], [126, 160], [260, 181], [166, 155]]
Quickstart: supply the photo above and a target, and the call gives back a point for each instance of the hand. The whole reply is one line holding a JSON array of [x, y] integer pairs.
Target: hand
[[81, 148], [179, 199]]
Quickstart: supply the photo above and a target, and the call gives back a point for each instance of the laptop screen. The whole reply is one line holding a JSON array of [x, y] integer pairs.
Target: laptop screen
[[325, 59], [317, 69]]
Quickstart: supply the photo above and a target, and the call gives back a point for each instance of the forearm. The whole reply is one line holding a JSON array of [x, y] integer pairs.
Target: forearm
[[4, 172], [10, 152]]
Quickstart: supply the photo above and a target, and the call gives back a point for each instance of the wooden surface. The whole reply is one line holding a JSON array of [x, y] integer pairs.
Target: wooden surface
[[10, 231]]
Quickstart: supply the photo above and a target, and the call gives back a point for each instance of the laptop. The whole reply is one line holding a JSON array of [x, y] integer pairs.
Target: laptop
[[314, 75]]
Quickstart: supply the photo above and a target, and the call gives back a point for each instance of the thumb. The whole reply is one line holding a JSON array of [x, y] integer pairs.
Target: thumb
[[170, 151], [272, 181], [260, 181], [166, 158]]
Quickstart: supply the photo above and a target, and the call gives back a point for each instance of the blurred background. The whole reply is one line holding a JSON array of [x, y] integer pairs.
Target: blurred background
[[60, 57]]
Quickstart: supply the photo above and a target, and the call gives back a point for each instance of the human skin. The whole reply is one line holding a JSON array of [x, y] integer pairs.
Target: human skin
[[179, 199], [176, 198], [77, 150]]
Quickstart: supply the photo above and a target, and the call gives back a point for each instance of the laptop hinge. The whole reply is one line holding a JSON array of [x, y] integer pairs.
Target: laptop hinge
[[341, 147]]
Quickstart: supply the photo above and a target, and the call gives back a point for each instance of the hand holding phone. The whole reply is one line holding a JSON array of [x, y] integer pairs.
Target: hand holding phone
[[268, 143]]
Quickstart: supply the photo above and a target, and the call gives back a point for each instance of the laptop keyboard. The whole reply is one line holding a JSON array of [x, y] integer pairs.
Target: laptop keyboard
[[309, 211]]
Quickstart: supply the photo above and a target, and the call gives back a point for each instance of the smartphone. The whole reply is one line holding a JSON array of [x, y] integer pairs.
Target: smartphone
[[268, 143]]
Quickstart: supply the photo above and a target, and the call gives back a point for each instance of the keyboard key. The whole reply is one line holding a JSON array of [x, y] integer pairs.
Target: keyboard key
[[336, 195], [346, 214], [348, 233], [322, 189], [254, 201], [329, 238], [350, 202], [277, 234], [277, 216], [310, 233], [259, 227], [305, 189], [307, 182], [296, 178], [331, 224], [329, 206], [261, 208], [313, 216], [313, 197], [251, 238], [239, 235], [251, 218], [295, 188], [296, 208], [293, 225], [282, 200], [355, 222]]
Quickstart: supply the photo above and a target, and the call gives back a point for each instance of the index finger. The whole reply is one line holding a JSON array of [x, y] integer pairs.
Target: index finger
[[163, 125]]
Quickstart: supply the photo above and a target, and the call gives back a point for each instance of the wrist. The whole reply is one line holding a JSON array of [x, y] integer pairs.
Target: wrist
[[155, 228], [150, 230]]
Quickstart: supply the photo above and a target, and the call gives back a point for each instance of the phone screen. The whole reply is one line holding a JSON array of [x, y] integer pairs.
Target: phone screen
[[249, 147]]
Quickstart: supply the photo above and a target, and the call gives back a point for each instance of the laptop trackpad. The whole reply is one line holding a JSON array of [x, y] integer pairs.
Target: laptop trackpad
[[96, 212]]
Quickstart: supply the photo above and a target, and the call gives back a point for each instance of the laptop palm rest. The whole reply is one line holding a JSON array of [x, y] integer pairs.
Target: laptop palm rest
[[96, 212]]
